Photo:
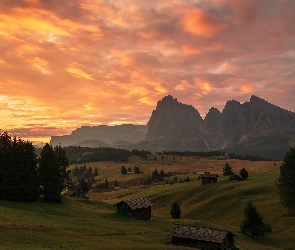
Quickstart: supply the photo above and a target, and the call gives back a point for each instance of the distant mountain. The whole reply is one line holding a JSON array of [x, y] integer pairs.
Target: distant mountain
[[92, 144], [251, 128], [105, 134]]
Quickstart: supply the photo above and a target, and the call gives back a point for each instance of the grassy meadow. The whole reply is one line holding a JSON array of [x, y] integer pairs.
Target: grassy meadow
[[94, 224]]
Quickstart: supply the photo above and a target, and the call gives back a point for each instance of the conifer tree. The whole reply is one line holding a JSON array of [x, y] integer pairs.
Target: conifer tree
[[286, 181], [18, 169], [227, 170], [175, 211], [253, 223], [53, 174]]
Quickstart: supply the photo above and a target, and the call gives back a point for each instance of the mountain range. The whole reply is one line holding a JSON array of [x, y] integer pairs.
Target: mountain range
[[256, 128]]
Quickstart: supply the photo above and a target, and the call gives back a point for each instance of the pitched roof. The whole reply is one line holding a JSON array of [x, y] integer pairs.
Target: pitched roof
[[137, 203], [199, 233], [208, 175]]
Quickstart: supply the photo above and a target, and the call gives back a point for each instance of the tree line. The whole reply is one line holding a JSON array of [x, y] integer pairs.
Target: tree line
[[190, 153], [24, 177]]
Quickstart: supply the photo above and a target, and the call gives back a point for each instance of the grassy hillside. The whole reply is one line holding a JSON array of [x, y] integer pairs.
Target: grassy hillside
[[94, 224]]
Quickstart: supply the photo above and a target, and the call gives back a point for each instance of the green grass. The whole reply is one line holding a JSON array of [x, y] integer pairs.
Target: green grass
[[94, 224]]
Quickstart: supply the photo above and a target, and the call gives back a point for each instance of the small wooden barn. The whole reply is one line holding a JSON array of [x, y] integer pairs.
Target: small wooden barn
[[201, 237], [208, 178], [139, 208]]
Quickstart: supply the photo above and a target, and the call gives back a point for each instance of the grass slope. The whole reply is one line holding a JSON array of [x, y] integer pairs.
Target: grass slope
[[94, 224]]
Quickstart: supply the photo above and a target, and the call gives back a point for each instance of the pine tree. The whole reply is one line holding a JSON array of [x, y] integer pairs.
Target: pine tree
[[227, 170], [253, 223], [286, 181], [175, 211]]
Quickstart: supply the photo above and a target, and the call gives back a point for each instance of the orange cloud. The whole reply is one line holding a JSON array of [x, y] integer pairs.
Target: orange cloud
[[79, 73], [39, 64], [204, 86], [190, 49], [183, 85], [247, 88], [200, 23]]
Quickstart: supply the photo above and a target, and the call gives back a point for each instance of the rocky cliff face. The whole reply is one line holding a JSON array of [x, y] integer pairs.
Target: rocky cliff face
[[178, 126], [244, 123], [175, 125]]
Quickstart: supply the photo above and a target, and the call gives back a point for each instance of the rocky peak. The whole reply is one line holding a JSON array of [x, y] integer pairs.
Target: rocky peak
[[173, 119]]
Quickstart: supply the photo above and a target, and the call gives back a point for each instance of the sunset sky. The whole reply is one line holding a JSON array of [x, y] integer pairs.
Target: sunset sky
[[68, 63]]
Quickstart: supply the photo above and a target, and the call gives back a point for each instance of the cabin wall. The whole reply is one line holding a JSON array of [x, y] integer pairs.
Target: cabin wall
[[124, 209], [177, 241], [143, 213], [209, 180]]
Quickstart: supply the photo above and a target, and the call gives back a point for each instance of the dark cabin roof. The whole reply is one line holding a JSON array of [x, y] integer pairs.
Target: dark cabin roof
[[208, 175], [199, 233], [137, 203]]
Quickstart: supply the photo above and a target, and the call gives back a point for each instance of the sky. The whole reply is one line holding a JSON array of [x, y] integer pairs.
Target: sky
[[69, 63]]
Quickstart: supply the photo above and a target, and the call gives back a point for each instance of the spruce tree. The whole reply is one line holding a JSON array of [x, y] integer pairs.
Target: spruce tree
[[175, 211], [53, 174], [286, 181], [227, 170], [253, 223]]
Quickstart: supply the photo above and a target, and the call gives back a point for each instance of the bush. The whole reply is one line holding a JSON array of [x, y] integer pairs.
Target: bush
[[244, 173]]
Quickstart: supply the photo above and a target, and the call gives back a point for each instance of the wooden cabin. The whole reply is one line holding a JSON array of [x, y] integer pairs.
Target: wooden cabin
[[139, 208], [201, 238], [208, 178], [77, 191]]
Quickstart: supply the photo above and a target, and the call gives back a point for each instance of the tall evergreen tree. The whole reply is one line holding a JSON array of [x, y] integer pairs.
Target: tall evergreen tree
[[286, 181], [18, 169], [227, 170], [175, 211], [253, 223], [53, 174], [63, 165]]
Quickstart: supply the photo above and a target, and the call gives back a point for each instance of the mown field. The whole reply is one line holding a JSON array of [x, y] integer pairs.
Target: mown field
[[94, 224]]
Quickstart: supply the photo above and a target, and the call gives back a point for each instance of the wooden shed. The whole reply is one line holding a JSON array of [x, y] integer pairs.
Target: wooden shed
[[208, 178], [139, 208], [202, 238]]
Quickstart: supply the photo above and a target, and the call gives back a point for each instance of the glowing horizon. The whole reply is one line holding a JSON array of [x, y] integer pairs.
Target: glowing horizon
[[91, 62]]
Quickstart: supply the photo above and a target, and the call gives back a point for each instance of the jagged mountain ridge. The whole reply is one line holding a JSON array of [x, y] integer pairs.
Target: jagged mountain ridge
[[255, 127], [249, 126]]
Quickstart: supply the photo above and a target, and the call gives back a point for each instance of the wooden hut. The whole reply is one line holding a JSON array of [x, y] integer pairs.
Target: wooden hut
[[201, 237], [139, 208], [77, 191], [208, 178]]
